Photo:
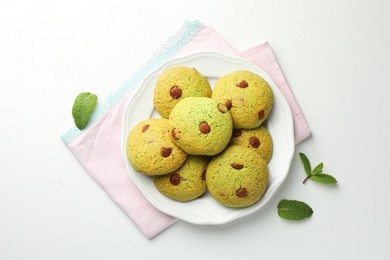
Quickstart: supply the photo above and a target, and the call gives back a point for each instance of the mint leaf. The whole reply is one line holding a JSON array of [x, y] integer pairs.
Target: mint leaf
[[323, 178], [306, 163], [83, 106], [294, 210], [316, 175], [318, 169]]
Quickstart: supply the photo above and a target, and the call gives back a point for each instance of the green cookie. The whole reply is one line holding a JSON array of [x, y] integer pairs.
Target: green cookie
[[257, 139], [150, 149], [237, 177], [247, 95], [187, 183], [176, 84], [201, 126]]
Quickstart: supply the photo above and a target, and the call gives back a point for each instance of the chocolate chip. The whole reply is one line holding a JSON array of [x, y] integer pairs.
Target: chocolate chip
[[203, 175], [242, 84], [254, 141], [204, 128], [165, 152], [261, 114], [237, 166], [144, 128], [175, 92], [174, 179], [222, 108], [242, 193], [236, 133], [228, 104], [173, 133]]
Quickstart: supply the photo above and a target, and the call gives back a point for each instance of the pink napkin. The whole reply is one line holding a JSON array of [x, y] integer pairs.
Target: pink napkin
[[98, 147]]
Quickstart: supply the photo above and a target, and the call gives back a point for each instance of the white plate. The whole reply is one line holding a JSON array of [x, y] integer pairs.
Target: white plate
[[206, 210]]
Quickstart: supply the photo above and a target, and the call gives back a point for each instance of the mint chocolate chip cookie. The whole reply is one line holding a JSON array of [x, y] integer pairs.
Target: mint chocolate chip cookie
[[248, 97], [257, 139], [176, 84], [187, 183], [150, 149], [237, 177], [201, 126]]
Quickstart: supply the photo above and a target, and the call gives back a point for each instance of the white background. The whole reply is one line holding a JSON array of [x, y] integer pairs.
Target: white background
[[335, 55]]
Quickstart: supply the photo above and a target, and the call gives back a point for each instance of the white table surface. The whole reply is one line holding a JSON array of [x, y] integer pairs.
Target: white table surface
[[335, 56]]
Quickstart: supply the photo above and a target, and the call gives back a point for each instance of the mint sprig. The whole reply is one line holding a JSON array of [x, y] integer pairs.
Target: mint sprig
[[83, 107], [316, 174], [294, 210]]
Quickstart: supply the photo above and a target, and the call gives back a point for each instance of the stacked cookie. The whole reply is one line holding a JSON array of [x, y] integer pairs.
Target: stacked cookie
[[206, 139]]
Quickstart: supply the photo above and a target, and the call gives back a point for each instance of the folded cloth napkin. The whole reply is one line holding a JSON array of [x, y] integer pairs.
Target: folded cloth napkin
[[98, 147]]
